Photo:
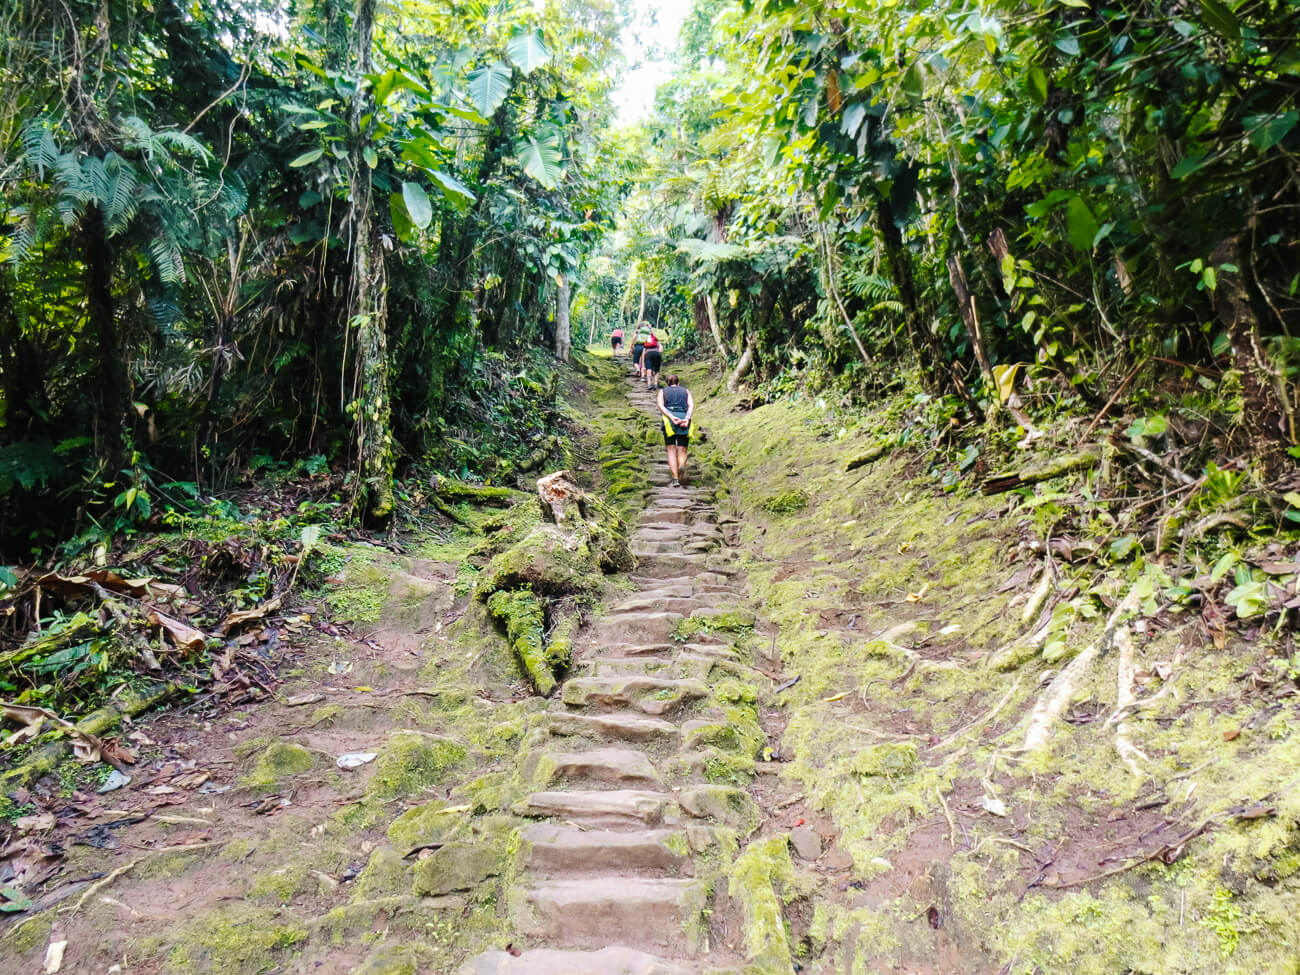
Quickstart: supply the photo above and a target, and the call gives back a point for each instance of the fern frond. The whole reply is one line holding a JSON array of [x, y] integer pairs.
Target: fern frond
[[39, 147], [167, 259]]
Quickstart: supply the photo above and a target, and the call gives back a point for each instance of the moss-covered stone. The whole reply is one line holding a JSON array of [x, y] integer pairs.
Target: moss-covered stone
[[410, 762], [386, 874], [419, 825], [455, 867], [390, 960], [235, 940], [277, 762], [721, 803], [892, 759]]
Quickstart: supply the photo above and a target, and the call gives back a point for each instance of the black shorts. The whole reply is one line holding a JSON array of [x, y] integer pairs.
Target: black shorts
[[654, 358], [636, 352], [615, 341], [677, 439]]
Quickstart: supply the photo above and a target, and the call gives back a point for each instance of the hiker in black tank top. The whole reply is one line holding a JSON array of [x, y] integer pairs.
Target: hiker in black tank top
[[677, 408]]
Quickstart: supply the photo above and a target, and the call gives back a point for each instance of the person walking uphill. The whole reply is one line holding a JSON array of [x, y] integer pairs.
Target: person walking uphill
[[653, 357], [638, 346], [616, 340], [678, 407]]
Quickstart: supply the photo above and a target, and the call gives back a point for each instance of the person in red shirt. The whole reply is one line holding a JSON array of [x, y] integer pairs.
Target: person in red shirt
[[654, 360], [616, 339]]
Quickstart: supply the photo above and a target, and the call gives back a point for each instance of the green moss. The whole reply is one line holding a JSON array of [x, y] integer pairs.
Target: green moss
[[891, 760], [28, 934], [521, 613], [386, 874], [283, 883], [235, 940], [718, 620], [785, 502], [758, 878], [276, 763], [419, 825], [411, 762], [456, 867], [390, 960]]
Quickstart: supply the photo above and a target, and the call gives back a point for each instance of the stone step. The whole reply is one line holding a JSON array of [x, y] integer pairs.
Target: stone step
[[552, 961], [618, 726], [641, 548], [642, 627], [649, 695], [654, 913], [608, 807], [624, 768], [688, 515], [552, 849], [680, 666], [722, 651], [660, 566], [683, 605]]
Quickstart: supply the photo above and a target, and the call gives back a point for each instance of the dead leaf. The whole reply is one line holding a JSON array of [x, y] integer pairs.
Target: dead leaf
[[183, 636], [35, 824], [298, 700], [835, 697], [916, 597], [994, 805], [242, 616], [116, 753], [191, 780], [31, 719], [1232, 734]]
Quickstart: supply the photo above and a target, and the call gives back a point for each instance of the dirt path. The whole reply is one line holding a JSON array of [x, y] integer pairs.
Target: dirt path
[[612, 881]]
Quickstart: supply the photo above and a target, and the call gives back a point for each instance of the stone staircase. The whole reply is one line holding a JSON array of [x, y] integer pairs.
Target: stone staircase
[[612, 875]]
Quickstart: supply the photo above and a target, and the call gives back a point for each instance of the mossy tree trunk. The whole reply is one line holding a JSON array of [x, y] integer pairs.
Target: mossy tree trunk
[[563, 336], [368, 302]]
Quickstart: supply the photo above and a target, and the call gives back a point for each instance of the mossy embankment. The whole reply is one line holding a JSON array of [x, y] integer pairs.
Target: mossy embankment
[[1156, 832]]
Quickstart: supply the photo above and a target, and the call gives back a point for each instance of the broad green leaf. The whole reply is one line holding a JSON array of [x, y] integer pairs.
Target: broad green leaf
[[8, 578], [488, 87], [1068, 44], [853, 117], [1004, 374], [418, 207], [371, 157], [401, 222], [307, 158], [1267, 131], [527, 50], [540, 158], [1036, 84], [1221, 19], [457, 193], [1188, 165], [1080, 223], [914, 80]]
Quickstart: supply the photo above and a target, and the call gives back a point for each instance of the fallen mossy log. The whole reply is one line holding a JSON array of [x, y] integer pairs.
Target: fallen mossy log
[[130, 703], [872, 453], [457, 491], [1055, 467]]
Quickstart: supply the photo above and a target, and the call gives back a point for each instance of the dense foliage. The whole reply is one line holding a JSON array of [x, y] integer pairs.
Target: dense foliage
[[1053, 193], [253, 230]]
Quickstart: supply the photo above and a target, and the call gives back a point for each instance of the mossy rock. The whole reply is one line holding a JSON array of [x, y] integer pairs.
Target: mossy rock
[[722, 803], [389, 960], [454, 867], [386, 874], [411, 762], [549, 560], [420, 825], [758, 878], [235, 940], [277, 762], [891, 759]]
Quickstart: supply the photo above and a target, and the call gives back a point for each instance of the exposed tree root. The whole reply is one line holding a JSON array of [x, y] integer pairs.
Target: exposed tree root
[[1129, 753], [1053, 701]]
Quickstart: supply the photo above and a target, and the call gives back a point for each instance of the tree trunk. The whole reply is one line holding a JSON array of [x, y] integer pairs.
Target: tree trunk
[[746, 360], [563, 340], [712, 312], [368, 304], [22, 375], [111, 385], [640, 315], [966, 302]]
